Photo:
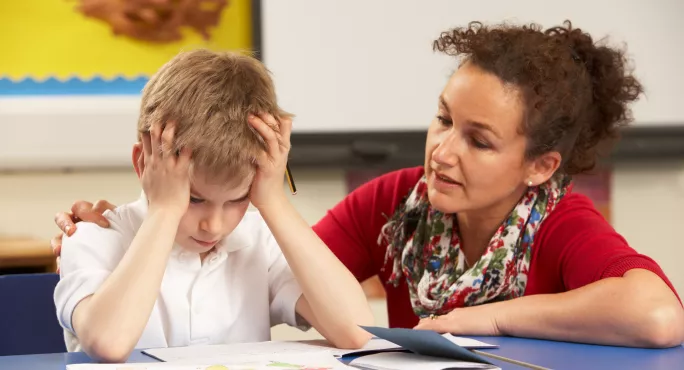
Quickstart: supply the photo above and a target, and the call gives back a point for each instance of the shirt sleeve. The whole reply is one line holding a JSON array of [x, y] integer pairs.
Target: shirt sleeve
[[585, 247], [88, 257], [284, 290]]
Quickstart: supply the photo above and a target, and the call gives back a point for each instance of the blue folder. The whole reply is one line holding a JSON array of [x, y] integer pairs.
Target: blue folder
[[426, 343]]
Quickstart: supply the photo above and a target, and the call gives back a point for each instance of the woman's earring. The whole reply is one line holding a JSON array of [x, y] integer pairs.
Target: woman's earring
[[529, 183]]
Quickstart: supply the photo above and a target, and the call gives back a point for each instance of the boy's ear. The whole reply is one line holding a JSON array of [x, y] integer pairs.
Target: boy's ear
[[138, 159]]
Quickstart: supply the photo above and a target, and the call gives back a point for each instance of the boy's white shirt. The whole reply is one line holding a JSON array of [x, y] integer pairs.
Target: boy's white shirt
[[244, 287]]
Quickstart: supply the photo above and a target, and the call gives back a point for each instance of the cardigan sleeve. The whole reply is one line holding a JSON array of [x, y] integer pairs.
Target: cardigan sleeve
[[351, 228], [585, 248]]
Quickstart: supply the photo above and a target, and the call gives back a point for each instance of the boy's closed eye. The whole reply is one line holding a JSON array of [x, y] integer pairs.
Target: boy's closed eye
[[241, 199], [197, 200]]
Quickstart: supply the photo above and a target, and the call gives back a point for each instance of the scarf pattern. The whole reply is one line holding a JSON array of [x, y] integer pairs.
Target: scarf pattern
[[424, 247]]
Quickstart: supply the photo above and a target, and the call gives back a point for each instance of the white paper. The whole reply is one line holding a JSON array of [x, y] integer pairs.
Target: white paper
[[375, 344], [222, 352], [468, 343], [411, 361], [319, 360], [225, 352]]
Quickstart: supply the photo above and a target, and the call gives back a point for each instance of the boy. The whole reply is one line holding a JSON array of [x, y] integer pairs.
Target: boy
[[186, 263]]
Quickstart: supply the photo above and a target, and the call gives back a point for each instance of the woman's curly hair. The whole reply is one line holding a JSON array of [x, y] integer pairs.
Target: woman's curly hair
[[576, 91]]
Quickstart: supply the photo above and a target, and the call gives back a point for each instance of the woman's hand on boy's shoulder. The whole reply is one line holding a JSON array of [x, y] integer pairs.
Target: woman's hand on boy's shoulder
[[267, 187], [81, 210]]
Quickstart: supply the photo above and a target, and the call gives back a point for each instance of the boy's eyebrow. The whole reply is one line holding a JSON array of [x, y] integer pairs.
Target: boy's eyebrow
[[244, 196], [195, 192]]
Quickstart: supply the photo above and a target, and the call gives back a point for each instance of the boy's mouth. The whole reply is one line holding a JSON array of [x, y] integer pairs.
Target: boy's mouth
[[205, 243]]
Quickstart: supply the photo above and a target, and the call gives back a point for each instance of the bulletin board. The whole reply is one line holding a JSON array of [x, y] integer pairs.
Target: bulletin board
[[72, 71], [90, 47]]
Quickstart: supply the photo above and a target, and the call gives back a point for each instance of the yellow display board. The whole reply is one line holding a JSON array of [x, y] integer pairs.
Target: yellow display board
[[51, 39]]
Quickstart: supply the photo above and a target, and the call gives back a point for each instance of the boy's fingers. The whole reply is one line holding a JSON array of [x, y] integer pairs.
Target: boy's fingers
[[270, 121], [286, 131], [155, 140], [281, 129], [147, 144], [141, 162], [184, 156], [277, 126], [167, 140], [267, 134]]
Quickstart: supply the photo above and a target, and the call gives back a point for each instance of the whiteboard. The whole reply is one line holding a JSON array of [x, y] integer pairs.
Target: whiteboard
[[355, 66], [368, 65], [45, 133]]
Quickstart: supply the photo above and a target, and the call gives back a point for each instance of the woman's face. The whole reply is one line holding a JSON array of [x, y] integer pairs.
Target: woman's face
[[475, 152]]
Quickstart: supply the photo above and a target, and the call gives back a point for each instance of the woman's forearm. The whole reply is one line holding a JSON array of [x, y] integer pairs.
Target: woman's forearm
[[637, 310], [110, 322], [334, 295]]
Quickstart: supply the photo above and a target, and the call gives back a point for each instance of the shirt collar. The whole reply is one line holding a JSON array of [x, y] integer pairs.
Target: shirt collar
[[239, 238]]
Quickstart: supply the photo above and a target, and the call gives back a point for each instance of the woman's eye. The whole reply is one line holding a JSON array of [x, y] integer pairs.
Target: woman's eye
[[480, 144], [444, 121], [196, 200]]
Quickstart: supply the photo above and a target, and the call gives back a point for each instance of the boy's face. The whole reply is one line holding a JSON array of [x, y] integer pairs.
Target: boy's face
[[213, 213]]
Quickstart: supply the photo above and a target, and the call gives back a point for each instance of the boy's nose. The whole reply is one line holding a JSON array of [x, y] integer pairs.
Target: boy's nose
[[212, 223]]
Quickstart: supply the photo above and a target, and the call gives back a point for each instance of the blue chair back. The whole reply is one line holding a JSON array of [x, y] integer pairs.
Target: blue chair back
[[28, 319]]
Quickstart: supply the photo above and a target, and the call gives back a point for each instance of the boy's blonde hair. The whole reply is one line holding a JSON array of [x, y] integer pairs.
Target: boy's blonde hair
[[209, 96]]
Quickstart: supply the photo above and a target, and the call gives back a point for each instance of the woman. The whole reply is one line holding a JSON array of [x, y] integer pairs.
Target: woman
[[488, 238]]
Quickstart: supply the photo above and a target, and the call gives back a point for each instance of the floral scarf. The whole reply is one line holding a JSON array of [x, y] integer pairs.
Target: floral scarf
[[424, 246]]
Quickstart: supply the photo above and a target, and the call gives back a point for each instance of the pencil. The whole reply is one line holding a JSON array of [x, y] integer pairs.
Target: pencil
[[510, 360], [290, 179]]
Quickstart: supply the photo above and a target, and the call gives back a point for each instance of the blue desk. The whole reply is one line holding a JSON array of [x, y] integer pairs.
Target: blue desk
[[553, 355], [562, 355]]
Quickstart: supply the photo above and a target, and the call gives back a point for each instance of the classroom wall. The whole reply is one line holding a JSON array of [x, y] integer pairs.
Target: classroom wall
[[647, 204]]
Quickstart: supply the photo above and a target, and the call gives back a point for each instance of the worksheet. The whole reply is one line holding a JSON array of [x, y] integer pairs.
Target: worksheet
[[317, 360], [220, 352]]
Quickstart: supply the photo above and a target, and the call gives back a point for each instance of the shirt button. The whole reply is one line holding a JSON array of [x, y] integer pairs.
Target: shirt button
[[183, 257], [213, 259]]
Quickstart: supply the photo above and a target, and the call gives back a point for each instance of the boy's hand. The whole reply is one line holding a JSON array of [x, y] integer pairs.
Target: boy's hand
[[268, 182], [165, 174]]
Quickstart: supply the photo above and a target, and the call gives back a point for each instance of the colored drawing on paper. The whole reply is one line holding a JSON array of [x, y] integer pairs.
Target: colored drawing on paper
[[240, 365], [84, 47], [284, 366]]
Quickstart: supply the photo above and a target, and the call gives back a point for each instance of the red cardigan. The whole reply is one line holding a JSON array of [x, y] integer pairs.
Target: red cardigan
[[575, 246]]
